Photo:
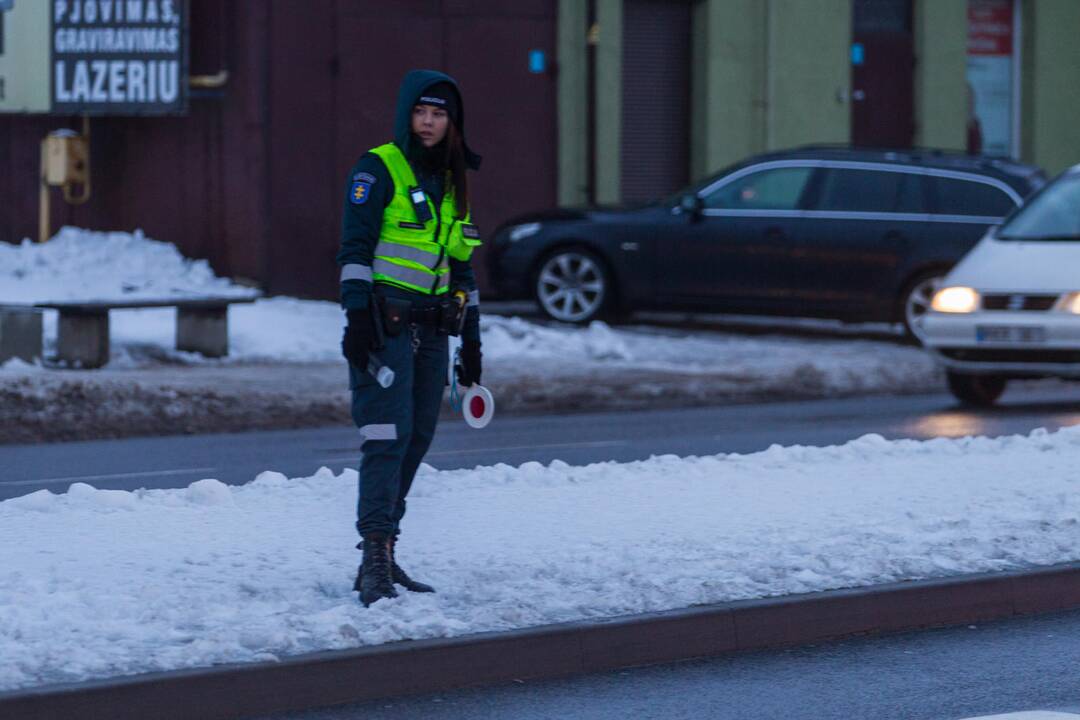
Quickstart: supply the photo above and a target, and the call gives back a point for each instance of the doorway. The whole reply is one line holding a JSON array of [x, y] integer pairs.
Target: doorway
[[882, 74]]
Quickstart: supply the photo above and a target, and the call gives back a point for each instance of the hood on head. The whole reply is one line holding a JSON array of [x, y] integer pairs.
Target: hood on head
[[412, 87]]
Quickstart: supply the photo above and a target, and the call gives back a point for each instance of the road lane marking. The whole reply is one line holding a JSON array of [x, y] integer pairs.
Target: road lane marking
[[472, 451], [112, 476], [1033, 715], [550, 446]]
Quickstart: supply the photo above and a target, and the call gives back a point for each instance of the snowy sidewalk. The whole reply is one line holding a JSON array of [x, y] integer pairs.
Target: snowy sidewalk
[[284, 367], [166, 399], [100, 583]]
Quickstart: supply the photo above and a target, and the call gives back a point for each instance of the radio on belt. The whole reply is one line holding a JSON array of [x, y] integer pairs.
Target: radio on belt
[[420, 204]]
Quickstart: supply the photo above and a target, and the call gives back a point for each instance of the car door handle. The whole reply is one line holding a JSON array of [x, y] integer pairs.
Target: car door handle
[[774, 240], [895, 237]]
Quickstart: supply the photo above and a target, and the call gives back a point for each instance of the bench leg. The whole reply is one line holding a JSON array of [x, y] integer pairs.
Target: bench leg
[[83, 338], [20, 334], [205, 330]]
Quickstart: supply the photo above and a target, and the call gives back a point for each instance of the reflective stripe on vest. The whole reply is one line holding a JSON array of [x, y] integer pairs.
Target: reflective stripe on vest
[[407, 252], [411, 254], [412, 278]]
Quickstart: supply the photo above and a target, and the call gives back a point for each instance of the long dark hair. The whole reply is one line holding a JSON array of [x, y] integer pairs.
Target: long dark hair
[[455, 165]]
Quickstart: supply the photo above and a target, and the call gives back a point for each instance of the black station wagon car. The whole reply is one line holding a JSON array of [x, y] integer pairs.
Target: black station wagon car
[[820, 231]]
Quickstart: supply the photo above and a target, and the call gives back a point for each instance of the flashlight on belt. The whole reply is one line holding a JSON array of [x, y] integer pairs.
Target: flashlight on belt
[[382, 374], [477, 405]]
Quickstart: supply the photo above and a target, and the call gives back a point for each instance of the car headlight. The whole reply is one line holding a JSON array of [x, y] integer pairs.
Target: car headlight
[[955, 300], [520, 232], [1070, 303]]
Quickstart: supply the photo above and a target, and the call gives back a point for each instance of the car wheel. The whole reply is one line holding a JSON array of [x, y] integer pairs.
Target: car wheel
[[917, 297], [573, 286], [975, 390]]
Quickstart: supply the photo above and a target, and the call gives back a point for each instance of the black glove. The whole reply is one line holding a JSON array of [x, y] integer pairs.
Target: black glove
[[469, 371], [359, 333]]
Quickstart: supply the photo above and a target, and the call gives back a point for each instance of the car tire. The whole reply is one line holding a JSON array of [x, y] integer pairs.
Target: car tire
[[975, 390], [574, 285], [915, 303]]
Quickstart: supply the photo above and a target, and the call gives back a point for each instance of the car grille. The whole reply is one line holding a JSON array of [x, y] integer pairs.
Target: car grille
[[1002, 301], [1041, 355]]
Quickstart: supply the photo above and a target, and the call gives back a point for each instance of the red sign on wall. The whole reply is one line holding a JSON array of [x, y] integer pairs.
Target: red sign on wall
[[990, 27]]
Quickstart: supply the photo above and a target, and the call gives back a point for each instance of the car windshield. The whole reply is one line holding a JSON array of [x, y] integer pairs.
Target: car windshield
[[1053, 214]]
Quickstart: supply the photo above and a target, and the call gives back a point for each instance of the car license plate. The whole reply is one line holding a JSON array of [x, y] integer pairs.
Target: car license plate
[[1010, 333]]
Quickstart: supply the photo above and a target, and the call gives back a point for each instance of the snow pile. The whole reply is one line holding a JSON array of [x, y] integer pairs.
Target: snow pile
[[839, 364], [96, 583], [83, 265], [290, 330]]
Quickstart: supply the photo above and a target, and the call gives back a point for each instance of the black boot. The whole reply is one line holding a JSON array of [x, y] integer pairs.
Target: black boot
[[373, 581], [401, 577]]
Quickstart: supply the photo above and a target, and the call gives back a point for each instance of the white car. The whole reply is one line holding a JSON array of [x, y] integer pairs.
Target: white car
[[1011, 307]]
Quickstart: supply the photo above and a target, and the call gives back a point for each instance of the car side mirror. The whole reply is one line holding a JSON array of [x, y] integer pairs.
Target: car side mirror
[[692, 205]]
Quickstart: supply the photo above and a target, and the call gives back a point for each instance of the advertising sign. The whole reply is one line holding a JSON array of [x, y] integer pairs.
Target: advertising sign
[[100, 57], [990, 58]]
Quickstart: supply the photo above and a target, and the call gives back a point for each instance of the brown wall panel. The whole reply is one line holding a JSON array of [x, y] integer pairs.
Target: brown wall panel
[[508, 8], [303, 237], [510, 115], [211, 26], [252, 178], [20, 159], [372, 61], [244, 162], [395, 8]]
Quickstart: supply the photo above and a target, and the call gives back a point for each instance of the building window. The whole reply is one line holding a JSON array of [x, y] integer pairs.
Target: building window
[[992, 61]]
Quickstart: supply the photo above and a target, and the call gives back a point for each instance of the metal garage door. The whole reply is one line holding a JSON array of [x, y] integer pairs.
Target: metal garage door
[[656, 98]]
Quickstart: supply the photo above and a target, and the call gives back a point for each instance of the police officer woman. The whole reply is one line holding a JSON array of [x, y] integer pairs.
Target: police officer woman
[[406, 284]]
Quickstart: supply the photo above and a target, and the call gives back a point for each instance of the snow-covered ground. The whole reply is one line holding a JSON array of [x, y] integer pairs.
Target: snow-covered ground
[[83, 265], [99, 582]]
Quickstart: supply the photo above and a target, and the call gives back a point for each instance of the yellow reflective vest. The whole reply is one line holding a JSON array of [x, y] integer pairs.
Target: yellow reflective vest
[[412, 253]]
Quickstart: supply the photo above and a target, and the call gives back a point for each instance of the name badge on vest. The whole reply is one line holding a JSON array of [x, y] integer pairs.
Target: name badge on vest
[[420, 204]]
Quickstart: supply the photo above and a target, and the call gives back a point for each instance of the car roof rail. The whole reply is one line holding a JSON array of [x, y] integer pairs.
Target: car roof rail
[[996, 162]]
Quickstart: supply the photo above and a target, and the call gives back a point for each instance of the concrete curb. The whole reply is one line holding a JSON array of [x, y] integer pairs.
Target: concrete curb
[[423, 666]]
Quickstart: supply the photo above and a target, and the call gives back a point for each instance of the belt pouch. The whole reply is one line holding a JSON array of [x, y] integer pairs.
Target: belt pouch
[[395, 315], [451, 317]]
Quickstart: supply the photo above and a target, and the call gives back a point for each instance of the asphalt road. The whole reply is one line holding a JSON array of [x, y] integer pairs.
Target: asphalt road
[[1009, 666], [577, 439]]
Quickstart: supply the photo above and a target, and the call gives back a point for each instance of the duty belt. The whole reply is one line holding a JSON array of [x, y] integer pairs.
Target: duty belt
[[425, 315]]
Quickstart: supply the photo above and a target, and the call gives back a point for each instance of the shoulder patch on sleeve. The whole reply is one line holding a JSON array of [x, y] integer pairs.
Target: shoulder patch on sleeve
[[359, 193], [364, 177]]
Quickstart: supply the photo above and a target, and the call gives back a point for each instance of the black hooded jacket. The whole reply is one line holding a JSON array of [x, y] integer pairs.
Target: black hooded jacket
[[362, 222]]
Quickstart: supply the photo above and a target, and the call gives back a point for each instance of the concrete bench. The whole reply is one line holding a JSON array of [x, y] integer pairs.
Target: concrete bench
[[202, 326]]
